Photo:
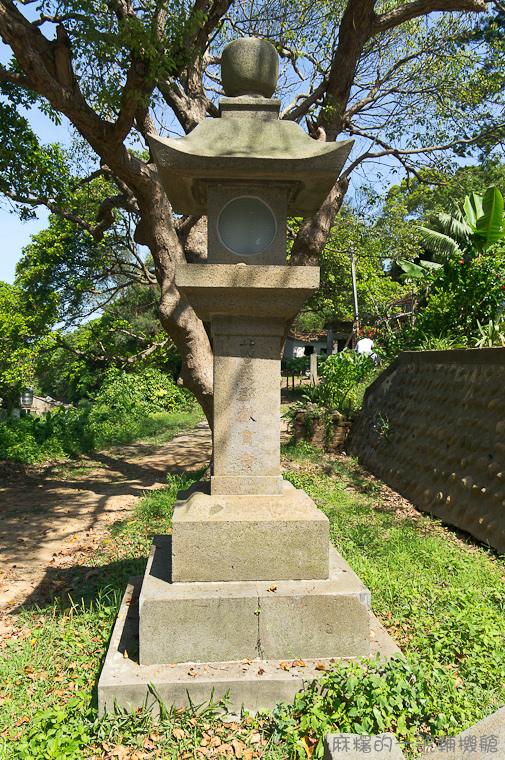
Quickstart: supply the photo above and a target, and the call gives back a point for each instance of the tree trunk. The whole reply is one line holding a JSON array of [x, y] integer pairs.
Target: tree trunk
[[157, 230], [314, 231]]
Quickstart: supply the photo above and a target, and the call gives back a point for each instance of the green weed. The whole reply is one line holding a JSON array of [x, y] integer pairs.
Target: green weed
[[441, 599]]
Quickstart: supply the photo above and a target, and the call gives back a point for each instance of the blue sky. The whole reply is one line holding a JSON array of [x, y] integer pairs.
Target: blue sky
[[14, 233]]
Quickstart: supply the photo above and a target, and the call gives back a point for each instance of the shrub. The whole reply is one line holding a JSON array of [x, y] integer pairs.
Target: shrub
[[341, 375], [137, 395], [60, 433], [56, 733], [125, 408], [409, 698]]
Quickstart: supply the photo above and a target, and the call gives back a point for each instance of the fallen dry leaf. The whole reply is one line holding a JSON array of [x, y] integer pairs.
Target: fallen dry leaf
[[308, 744], [21, 721], [120, 752], [192, 672], [299, 664], [178, 733], [372, 633], [285, 666], [320, 666], [14, 738], [248, 754], [238, 747], [272, 588], [255, 738], [260, 672]]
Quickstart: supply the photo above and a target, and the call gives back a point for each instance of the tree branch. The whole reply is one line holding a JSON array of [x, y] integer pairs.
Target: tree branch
[[43, 18], [104, 356], [408, 11], [389, 150], [296, 112], [13, 77]]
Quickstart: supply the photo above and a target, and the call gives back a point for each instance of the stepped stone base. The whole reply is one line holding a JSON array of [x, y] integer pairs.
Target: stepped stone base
[[247, 619], [247, 538], [255, 687]]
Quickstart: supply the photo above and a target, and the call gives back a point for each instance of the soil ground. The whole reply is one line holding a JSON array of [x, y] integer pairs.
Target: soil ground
[[52, 517]]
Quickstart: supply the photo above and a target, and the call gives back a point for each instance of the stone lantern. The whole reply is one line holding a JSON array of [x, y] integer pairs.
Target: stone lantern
[[248, 571]]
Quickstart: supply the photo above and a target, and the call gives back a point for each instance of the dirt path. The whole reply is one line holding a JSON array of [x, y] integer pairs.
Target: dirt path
[[54, 517]]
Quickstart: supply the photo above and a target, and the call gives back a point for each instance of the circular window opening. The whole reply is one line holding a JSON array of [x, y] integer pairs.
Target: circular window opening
[[246, 226]]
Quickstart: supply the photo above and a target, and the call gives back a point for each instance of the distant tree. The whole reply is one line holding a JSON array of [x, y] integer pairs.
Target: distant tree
[[17, 346], [373, 247], [127, 335], [399, 77], [419, 200]]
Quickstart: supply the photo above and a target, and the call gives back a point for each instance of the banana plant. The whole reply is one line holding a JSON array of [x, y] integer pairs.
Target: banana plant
[[470, 233], [420, 276], [421, 271]]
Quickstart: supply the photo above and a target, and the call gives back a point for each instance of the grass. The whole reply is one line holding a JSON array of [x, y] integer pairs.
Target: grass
[[440, 596], [161, 427], [155, 430], [63, 434]]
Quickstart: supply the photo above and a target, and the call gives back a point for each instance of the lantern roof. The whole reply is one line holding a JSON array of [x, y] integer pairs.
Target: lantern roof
[[249, 144]]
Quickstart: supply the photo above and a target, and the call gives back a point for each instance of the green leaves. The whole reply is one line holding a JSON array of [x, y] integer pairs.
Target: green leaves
[[473, 208], [479, 229], [18, 331], [420, 271], [58, 732], [341, 374], [488, 227], [29, 169]]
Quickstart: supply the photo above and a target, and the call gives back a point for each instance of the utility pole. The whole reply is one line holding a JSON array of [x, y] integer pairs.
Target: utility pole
[[355, 325]]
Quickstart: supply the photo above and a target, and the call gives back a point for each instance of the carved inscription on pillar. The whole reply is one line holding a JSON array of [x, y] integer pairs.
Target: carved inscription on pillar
[[247, 397], [246, 419]]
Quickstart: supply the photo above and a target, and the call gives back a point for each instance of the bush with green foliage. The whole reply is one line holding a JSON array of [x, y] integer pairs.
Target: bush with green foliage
[[57, 732], [409, 698], [60, 433], [137, 394], [121, 412], [340, 377], [464, 294]]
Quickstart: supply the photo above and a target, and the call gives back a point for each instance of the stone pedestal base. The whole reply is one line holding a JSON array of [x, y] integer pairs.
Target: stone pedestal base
[[201, 622], [256, 687], [247, 538]]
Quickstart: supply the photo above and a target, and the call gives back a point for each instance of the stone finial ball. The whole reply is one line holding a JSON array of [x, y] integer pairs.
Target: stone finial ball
[[249, 66]]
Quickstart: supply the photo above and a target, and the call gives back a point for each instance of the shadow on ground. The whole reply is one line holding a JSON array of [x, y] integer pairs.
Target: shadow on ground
[[63, 510]]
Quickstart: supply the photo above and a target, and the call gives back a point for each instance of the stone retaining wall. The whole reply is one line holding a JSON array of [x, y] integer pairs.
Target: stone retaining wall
[[330, 435], [433, 428]]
